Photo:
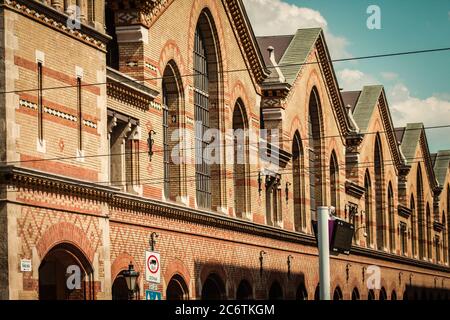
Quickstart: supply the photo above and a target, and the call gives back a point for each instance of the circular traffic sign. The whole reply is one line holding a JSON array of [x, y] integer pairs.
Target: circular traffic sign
[[153, 264]]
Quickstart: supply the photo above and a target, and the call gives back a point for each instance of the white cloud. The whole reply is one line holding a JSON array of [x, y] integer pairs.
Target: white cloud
[[432, 111], [389, 75], [276, 17], [353, 79]]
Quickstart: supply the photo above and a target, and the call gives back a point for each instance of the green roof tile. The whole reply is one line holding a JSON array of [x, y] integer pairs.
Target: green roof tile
[[441, 166], [297, 52], [365, 106]]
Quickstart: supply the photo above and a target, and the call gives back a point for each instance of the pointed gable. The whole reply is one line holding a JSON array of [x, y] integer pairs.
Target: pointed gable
[[441, 166], [414, 135]]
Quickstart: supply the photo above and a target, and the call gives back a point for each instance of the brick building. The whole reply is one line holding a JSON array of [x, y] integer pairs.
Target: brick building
[[90, 112]]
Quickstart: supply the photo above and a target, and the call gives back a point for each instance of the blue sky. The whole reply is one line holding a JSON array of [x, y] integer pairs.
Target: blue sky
[[418, 86]]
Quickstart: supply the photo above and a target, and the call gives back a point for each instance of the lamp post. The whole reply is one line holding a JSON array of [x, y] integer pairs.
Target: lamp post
[[131, 276], [323, 214]]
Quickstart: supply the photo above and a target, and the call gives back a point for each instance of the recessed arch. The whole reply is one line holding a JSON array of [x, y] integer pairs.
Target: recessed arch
[[368, 207], [391, 215], [379, 192], [315, 150], [428, 226], [420, 212], [393, 295], [355, 294], [207, 110], [298, 179], [61, 260], [371, 295], [301, 293], [413, 225], [337, 294], [276, 291], [172, 100], [334, 181], [177, 288], [244, 291], [213, 288], [382, 294], [241, 160]]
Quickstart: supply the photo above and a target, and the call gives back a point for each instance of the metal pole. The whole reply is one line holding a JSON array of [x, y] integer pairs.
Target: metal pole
[[324, 252]]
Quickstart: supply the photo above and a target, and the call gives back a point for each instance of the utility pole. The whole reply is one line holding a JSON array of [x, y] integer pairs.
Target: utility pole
[[323, 216]]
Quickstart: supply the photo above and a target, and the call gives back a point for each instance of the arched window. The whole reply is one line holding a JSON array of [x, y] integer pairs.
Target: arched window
[[244, 291], [445, 238], [355, 294], [412, 205], [275, 292], [391, 213], [337, 295], [428, 227], [368, 207], [371, 295], [206, 111], [334, 181], [240, 151], [177, 289], [172, 97], [420, 213], [317, 292], [315, 151], [380, 216], [297, 181]]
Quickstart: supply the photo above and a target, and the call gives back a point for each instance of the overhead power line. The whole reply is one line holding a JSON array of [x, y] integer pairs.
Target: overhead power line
[[162, 150], [374, 56]]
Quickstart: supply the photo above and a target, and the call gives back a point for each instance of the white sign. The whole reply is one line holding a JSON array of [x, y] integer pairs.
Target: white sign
[[25, 265], [152, 267]]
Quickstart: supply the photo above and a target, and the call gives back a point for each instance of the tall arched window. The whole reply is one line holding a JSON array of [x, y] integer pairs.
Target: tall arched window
[[206, 110], [172, 96], [420, 213], [444, 238], [334, 181], [315, 151], [240, 148], [380, 217], [368, 207], [413, 226], [391, 213], [298, 184], [428, 227]]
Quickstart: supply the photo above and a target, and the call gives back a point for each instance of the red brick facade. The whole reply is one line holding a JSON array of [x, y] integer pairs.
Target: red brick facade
[[60, 202]]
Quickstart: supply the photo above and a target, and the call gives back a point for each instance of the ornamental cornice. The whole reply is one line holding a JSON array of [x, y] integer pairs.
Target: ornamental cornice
[[58, 21]]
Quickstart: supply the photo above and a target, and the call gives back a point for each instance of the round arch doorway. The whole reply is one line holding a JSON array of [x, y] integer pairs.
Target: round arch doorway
[[177, 289], [213, 288], [66, 274]]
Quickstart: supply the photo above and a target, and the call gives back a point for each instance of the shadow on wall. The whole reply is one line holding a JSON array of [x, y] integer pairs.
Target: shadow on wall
[[226, 281]]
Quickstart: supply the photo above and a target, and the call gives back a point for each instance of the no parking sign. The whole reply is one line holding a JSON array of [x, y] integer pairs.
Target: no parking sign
[[152, 267]]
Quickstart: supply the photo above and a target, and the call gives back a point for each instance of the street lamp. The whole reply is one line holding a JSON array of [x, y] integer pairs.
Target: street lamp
[[131, 276]]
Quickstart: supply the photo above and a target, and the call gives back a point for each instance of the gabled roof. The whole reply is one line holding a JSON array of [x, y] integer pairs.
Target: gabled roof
[[441, 165], [415, 134], [365, 106], [293, 57], [297, 52]]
